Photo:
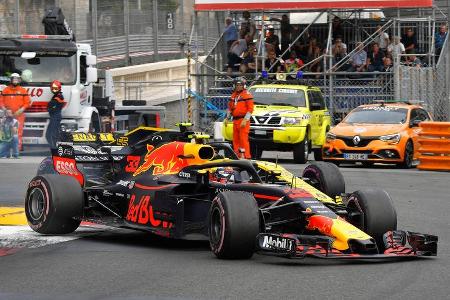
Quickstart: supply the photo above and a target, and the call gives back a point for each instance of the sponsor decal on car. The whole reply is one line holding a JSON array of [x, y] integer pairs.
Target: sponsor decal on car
[[142, 212], [67, 166], [132, 163], [276, 243], [65, 151], [84, 137]]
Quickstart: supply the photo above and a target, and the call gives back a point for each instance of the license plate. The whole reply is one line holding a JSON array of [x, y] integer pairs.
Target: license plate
[[260, 132], [355, 156]]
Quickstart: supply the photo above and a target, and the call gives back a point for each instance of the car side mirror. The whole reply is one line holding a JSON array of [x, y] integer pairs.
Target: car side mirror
[[414, 123]]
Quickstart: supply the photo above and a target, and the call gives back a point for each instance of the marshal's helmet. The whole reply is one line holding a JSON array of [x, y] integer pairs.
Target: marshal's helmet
[[239, 80], [55, 86]]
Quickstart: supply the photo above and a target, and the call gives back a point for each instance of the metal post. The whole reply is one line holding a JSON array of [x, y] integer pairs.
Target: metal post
[[155, 30], [330, 81], [94, 26], [205, 46], [17, 25], [126, 26]]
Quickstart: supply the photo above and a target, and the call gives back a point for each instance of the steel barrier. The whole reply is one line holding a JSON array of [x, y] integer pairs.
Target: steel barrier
[[434, 147]]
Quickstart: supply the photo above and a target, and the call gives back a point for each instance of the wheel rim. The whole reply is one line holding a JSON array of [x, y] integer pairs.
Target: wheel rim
[[36, 204], [408, 154], [216, 226]]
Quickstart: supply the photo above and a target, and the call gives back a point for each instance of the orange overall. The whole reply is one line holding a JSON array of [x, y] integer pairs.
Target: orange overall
[[16, 98], [241, 104]]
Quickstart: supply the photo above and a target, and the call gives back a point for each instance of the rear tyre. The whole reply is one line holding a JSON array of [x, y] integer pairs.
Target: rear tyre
[[301, 151], [256, 151], [52, 202], [409, 156], [376, 211], [325, 177], [318, 154], [233, 225]]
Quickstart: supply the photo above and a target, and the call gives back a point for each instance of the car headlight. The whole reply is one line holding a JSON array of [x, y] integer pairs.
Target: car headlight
[[330, 136], [291, 121], [391, 138]]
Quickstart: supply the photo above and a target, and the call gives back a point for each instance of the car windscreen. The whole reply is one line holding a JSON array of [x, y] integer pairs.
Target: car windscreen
[[41, 70], [278, 96], [378, 115]]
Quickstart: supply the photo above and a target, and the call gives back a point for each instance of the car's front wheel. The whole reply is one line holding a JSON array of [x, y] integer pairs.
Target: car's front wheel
[[301, 151], [408, 156], [325, 177], [233, 225], [52, 204]]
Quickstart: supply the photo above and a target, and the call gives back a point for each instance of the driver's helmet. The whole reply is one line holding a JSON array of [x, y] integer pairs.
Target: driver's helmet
[[222, 175], [27, 75], [15, 79]]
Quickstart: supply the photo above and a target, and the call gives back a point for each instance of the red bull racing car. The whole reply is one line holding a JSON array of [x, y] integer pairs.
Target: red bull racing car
[[172, 184]]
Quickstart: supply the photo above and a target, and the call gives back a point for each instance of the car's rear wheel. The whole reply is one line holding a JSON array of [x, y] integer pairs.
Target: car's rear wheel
[[409, 156], [373, 212], [325, 177], [52, 203], [301, 151], [233, 225]]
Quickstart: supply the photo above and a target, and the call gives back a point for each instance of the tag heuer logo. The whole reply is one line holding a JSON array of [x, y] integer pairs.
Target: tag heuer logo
[[356, 140]]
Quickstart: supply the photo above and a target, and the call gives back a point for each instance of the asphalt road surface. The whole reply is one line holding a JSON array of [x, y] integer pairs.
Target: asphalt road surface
[[120, 264]]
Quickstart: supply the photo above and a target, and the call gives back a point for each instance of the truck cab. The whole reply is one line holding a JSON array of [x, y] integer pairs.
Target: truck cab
[[40, 59], [286, 117]]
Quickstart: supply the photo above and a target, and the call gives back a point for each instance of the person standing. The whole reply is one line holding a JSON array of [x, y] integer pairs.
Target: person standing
[[15, 98], [230, 33], [247, 26], [54, 111], [9, 139], [240, 107], [439, 39]]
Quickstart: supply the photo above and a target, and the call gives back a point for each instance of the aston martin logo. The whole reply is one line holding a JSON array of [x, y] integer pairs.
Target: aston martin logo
[[356, 140]]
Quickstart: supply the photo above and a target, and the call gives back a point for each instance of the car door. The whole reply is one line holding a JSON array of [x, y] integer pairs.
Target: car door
[[417, 114], [317, 108]]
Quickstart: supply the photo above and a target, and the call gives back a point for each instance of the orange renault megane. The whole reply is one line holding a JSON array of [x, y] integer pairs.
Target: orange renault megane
[[385, 132]]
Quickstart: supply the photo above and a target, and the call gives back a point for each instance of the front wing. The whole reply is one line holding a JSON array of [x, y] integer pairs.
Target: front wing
[[398, 244]]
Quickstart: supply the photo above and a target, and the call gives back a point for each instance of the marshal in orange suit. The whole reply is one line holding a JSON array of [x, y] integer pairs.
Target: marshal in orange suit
[[15, 98], [240, 107]]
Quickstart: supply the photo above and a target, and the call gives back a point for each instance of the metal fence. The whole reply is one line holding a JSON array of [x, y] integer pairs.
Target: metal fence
[[121, 32]]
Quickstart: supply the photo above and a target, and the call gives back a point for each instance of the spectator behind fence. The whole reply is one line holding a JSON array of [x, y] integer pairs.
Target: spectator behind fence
[[358, 59], [274, 40], [413, 61], [338, 30], [236, 50], [286, 32], [9, 138], [375, 59], [248, 64], [387, 64], [230, 33], [382, 39], [293, 64], [316, 66], [272, 60], [247, 26], [339, 50], [439, 39], [410, 41], [395, 48]]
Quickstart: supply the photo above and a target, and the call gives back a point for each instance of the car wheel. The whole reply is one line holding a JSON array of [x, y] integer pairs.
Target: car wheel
[[409, 156], [301, 151], [233, 225], [325, 177], [52, 202], [318, 154], [373, 212], [255, 151]]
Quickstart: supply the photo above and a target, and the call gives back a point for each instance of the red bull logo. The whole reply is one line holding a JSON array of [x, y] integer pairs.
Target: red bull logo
[[171, 158], [321, 223]]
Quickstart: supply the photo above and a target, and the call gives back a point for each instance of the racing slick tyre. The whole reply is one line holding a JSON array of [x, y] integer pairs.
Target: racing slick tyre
[[301, 151], [377, 213], [52, 202], [255, 151], [233, 225], [409, 156], [318, 154], [325, 177]]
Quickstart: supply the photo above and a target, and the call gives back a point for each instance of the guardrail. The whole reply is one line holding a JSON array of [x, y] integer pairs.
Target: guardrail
[[434, 147]]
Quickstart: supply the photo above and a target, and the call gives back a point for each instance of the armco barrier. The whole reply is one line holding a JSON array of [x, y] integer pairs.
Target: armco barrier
[[434, 147]]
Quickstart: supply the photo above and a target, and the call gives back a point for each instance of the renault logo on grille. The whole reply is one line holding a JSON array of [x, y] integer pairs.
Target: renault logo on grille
[[356, 140]]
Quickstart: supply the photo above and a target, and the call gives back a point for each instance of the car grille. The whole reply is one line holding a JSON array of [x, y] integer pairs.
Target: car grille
[[365, 140], [265, 121]]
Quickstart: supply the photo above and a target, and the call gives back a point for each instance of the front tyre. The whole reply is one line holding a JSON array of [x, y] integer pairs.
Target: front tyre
[[233, 225], [375, 213], [301, 151], [318, 154], [52, 202], [408, 156], [325, 177]]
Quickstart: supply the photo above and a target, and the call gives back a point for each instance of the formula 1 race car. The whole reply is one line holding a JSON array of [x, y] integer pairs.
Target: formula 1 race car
[[172, 184]]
